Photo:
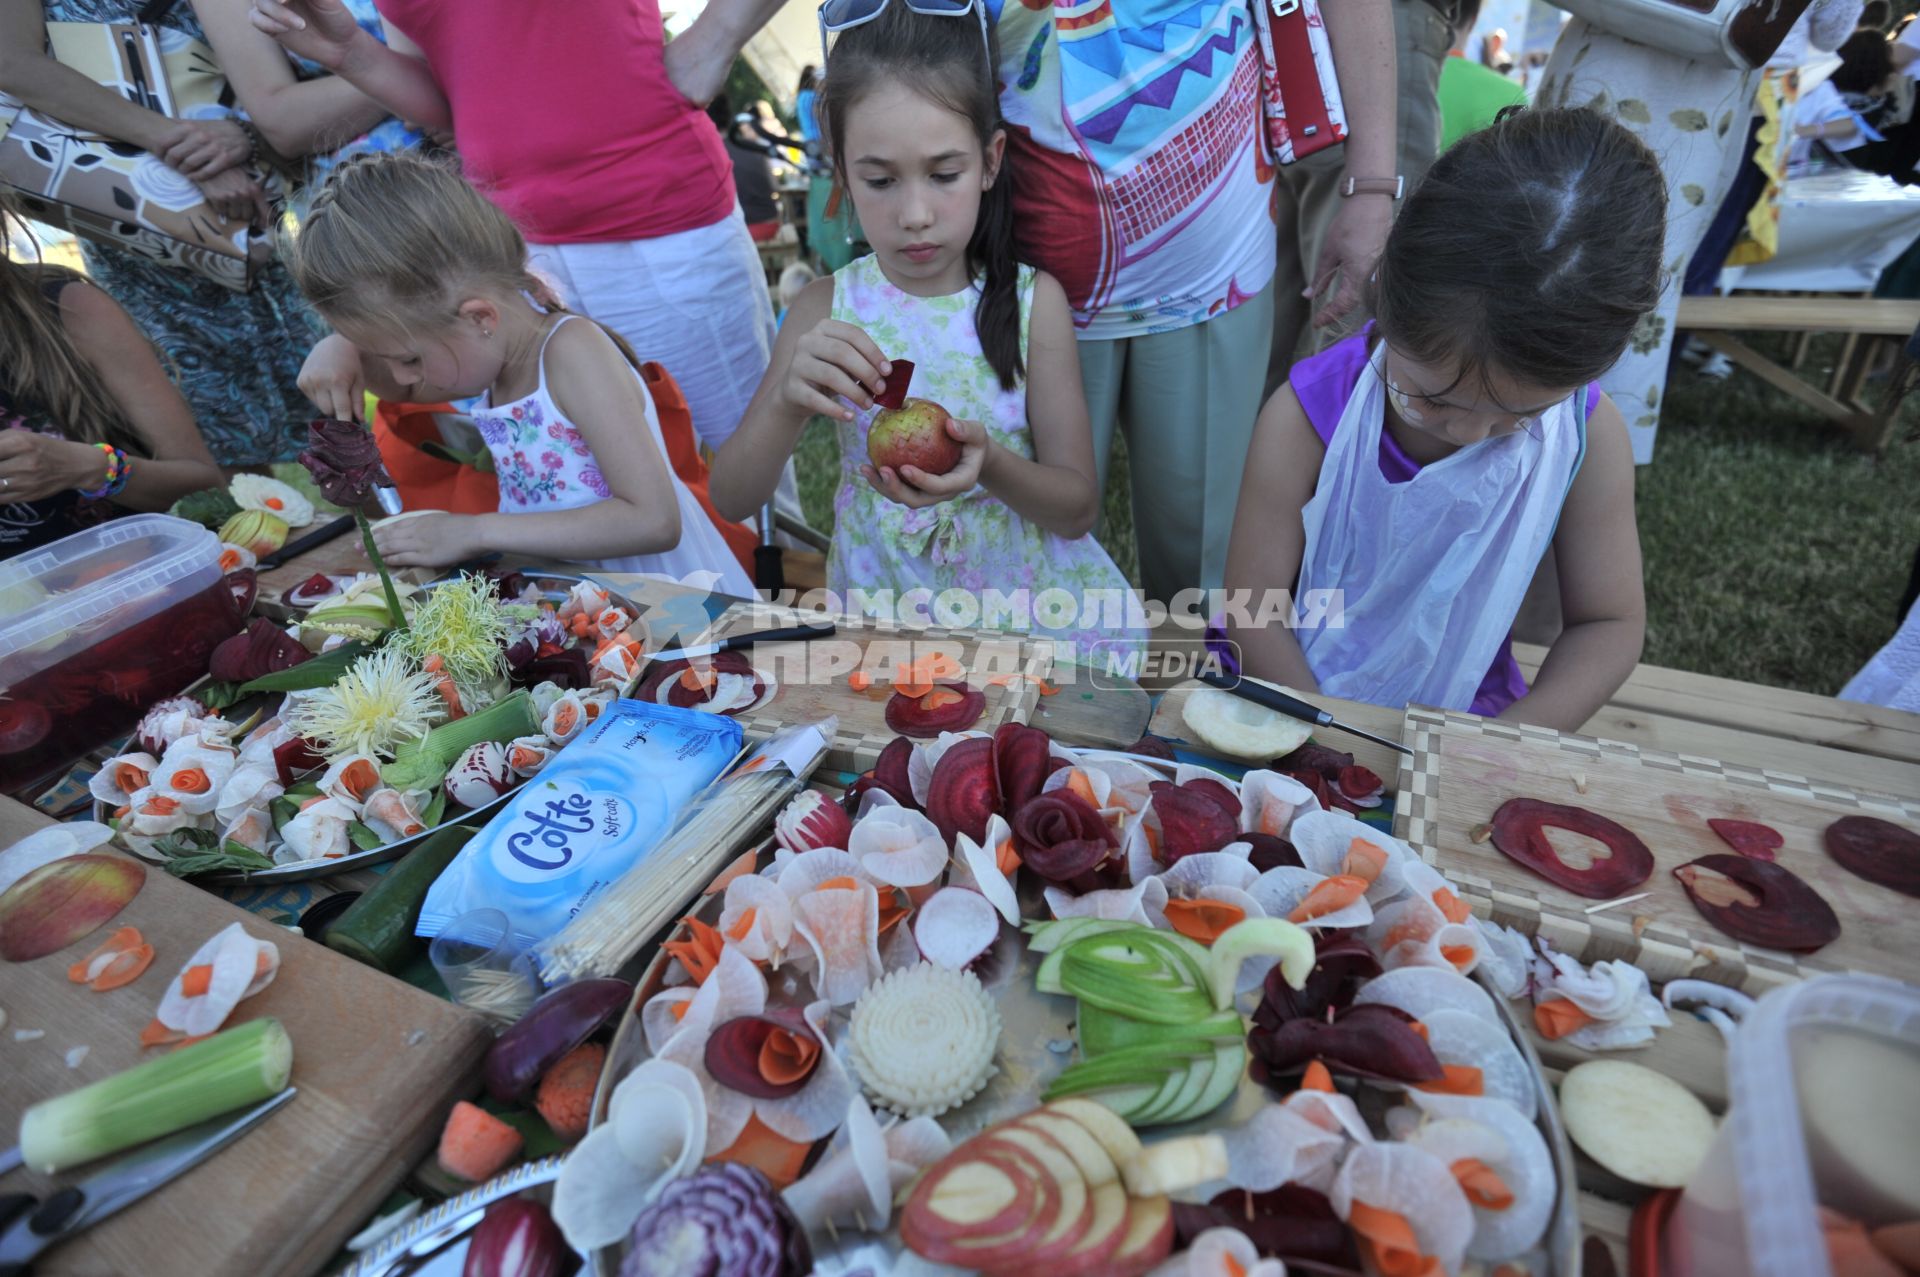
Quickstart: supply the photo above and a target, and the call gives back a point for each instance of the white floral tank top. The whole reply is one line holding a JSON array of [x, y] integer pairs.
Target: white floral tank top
[[975, 542], [543, 464]]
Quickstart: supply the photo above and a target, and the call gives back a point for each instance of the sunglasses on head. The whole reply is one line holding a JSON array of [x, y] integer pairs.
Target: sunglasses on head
[[844, 15]]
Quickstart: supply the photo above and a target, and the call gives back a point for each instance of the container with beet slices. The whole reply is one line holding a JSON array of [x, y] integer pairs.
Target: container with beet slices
[[97, 627]]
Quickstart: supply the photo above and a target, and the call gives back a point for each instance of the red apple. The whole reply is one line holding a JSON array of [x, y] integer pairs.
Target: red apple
[[910, 432]]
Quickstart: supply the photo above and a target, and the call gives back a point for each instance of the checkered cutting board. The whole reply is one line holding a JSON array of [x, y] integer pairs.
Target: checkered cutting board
[[863, 730], [1463, 768]]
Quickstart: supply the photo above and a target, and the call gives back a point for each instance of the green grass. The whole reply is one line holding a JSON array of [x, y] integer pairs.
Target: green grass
[[1775, 551]]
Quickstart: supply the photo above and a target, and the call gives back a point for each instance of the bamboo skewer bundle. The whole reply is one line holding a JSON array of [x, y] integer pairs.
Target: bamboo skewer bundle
[[732, 814]]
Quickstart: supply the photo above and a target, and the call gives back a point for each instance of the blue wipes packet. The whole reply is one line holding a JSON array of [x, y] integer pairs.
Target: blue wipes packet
[[585, 819]]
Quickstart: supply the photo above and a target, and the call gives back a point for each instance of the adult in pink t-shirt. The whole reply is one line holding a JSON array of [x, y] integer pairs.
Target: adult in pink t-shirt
[[590, 132]]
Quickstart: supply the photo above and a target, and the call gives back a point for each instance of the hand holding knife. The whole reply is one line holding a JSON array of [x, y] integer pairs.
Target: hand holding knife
[[1292, 706]]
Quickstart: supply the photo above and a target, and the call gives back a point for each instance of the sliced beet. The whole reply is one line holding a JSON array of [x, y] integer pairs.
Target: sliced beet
[[963, 793], [913, 716], [1292, 1223], [1520, 831], [1789, 914], [1750, 838], [1063, 839], [890, 771], [295, 757], [1317, 783], [1271, 851], [1371, 1041], [735, 1049], [1359, 782], [1151, 746], [316, 589], [245, 585], [23, 724], [1877, 850], [1342, 962], [1314, 757], [1020, 758], [1192, 818]]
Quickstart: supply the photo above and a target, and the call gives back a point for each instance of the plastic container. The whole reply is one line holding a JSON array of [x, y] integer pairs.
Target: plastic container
[[1823, 1086], [484, 968], [97, 627]]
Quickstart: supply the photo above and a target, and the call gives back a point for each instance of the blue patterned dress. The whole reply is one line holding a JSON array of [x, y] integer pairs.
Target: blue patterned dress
[[235, 356]]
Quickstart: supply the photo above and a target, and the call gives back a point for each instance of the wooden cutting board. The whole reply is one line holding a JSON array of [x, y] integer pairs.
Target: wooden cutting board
[[810, 679], [1169, 723], [1464, 767], [377, 1063]]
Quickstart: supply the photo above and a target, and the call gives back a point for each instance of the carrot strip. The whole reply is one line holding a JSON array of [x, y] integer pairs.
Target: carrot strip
[[1202, 919], [158, 1034], [1077, 783], [1558, 1018], [1395, 1247], [1456, 1079], [912, 688], [1316, 1078], [739, 930], [1483, 1185], [773, 1155], [1329, 895], [787, 1057], [1459, 955], [119, 942], [939, 698], [1005, 858], [742, 866], [1234, 1267], [192, 780], [1451, 907], [699, 954], [196, 980], [845, 882], [859, 680], [1363, 861], [891, 910], [126, 967]]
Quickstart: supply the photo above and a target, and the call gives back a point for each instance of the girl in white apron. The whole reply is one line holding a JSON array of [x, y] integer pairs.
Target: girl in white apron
[[1406, 483]]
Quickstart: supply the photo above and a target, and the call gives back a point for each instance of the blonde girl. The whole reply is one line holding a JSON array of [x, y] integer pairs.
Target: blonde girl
[[429, 283]]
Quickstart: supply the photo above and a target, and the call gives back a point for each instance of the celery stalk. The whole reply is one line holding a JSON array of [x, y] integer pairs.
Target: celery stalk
[[228, 1071], [423, 764]]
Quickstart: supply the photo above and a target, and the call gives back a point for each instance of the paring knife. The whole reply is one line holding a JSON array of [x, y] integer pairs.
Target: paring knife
[[1292, 707], [788, 634], [319, 536]]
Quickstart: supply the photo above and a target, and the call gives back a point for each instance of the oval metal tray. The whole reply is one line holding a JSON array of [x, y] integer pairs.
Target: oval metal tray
[[554, 585], [1036, 1043]]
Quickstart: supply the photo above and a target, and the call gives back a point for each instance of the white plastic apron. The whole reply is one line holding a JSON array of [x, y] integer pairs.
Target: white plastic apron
[[1433, 569]]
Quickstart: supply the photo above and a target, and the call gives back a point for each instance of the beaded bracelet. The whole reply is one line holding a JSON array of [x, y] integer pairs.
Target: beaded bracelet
[[119, 470]]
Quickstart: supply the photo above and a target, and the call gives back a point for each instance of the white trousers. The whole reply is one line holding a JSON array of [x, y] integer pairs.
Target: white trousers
[[695, 302]]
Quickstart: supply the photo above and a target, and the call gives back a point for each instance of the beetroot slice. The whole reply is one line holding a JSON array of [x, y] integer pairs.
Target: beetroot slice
[[1790, 916], [1218, 792], [1151, 746], [1750, 838], [1519, 831], [1270, 851], [1314, 757], [1020, 758], [1192, 819], [890, 771], [733, 1052], [1877, 850], [1371, 1041], [906, 715], [962, 794], [895, 395], [1063, 839]]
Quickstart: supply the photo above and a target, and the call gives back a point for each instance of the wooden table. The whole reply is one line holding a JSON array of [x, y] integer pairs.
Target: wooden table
[[1718, 718]]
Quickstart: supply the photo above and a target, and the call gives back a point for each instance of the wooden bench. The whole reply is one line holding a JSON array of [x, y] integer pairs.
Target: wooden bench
[[1870, 325]]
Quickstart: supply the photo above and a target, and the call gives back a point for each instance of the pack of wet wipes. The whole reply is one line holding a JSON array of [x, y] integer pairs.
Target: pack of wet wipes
[[584, 819]]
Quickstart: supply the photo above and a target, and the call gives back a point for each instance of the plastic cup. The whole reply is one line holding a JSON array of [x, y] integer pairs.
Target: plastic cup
[[483, 967]]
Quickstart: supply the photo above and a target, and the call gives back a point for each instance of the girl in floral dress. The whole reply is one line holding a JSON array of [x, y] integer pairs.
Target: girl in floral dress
[[430, 282], [913, 118]]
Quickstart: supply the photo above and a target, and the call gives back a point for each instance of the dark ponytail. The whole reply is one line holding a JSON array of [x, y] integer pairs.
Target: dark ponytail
[[942, 58]]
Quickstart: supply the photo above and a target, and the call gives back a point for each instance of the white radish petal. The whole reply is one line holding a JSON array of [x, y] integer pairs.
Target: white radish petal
[[955, 926], [1420, 991], [1461, 1038], [601, 1191], [1414, 1184], [978, 867], [1523, 1164]]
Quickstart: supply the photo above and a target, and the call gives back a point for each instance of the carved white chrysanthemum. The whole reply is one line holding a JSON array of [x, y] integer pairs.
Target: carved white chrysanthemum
[[922, 1040]]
